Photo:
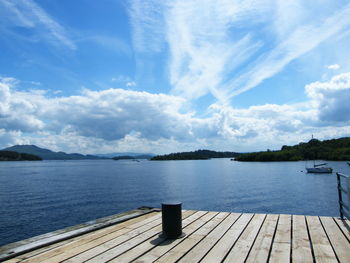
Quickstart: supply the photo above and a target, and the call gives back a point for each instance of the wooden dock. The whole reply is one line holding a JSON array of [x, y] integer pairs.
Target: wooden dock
[[210, 237]]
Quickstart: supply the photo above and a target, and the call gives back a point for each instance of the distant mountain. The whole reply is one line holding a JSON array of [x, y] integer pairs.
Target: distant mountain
[[196, 155], [46, 154], [15, 156], [132, 154]]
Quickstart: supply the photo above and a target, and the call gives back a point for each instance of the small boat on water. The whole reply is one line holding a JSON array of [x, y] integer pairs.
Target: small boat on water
[[319, 169]]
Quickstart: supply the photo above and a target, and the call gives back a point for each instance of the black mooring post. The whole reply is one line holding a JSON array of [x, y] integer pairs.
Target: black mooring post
[[340, 197], [171, 220]]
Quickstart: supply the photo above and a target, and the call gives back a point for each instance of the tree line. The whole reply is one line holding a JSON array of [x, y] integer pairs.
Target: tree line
[[195, 155], [15, 156], [332, 150]]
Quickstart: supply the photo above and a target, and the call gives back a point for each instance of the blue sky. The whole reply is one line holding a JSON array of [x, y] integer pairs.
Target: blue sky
[[165, 76]]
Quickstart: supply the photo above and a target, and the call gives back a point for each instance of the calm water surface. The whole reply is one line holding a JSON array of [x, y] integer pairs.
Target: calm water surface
[[38, 197]]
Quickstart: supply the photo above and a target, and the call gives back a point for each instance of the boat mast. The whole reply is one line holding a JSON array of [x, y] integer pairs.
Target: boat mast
[[312, 137]]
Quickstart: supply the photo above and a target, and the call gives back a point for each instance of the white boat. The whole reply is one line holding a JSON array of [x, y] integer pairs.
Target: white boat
[[320, 169]]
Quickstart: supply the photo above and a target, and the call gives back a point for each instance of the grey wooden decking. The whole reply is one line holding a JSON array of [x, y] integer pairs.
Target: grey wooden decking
[[210, 237]]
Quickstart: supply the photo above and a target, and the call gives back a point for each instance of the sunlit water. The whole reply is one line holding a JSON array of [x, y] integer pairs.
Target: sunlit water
[[38, 197]]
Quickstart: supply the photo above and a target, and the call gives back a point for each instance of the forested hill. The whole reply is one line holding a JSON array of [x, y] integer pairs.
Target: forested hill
[[196, 155], [46, 154], [15, 156], [332, 150]]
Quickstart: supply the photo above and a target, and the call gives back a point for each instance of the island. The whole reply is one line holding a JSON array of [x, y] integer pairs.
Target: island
[[196, 155], [15, 156], [331, 150], [134, 157]]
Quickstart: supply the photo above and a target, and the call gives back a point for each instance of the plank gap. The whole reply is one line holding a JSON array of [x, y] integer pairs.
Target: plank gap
[[257, 234], [273, 239], [240, 234], [310, 241], [329, 240], [341, 228], [221, 237], [203, 237]]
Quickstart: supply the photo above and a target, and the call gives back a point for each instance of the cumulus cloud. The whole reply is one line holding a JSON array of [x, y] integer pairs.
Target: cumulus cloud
[[112, 114], [123, 120], [332, 98], [108, 115]]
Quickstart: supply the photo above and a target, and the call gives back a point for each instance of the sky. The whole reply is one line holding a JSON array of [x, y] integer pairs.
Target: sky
[[169, 76]]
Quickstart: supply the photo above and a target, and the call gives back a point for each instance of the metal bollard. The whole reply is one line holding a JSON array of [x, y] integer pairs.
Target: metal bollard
[[171, 220]]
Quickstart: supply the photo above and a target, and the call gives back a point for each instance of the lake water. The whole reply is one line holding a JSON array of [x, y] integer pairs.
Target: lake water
[[39, 197]]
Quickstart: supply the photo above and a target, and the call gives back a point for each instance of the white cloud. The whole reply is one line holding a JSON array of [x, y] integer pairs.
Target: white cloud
[[109, 114], [130, 84], [123, 120], [228, 47], [28, 14], [147, 23], [332, 98], [202, 52], [333, 67], [125, 80], [112, 114], [299, 41]]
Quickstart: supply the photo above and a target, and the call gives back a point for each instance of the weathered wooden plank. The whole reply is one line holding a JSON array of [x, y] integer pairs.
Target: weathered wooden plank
[[322, 249], [188, 227], [44, 249], [40, 241], [199, 251], [340, 244], [244, 243], [162, 248], [107, 241], [301, 250], [281, 245], [40, 251], [223, 246], [13, 260], [165, 246], [344, 225], [120, 248], [106, 234], [211, 237], [181, 249], [262, 245]]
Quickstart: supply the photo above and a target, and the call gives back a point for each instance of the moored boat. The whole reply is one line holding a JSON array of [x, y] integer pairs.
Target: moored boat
[[319, 170]]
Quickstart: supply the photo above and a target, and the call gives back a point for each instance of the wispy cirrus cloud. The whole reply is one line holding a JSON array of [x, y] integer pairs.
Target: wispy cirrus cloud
[[228, 47], [147, 21], [28, 14], [301, 40]]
